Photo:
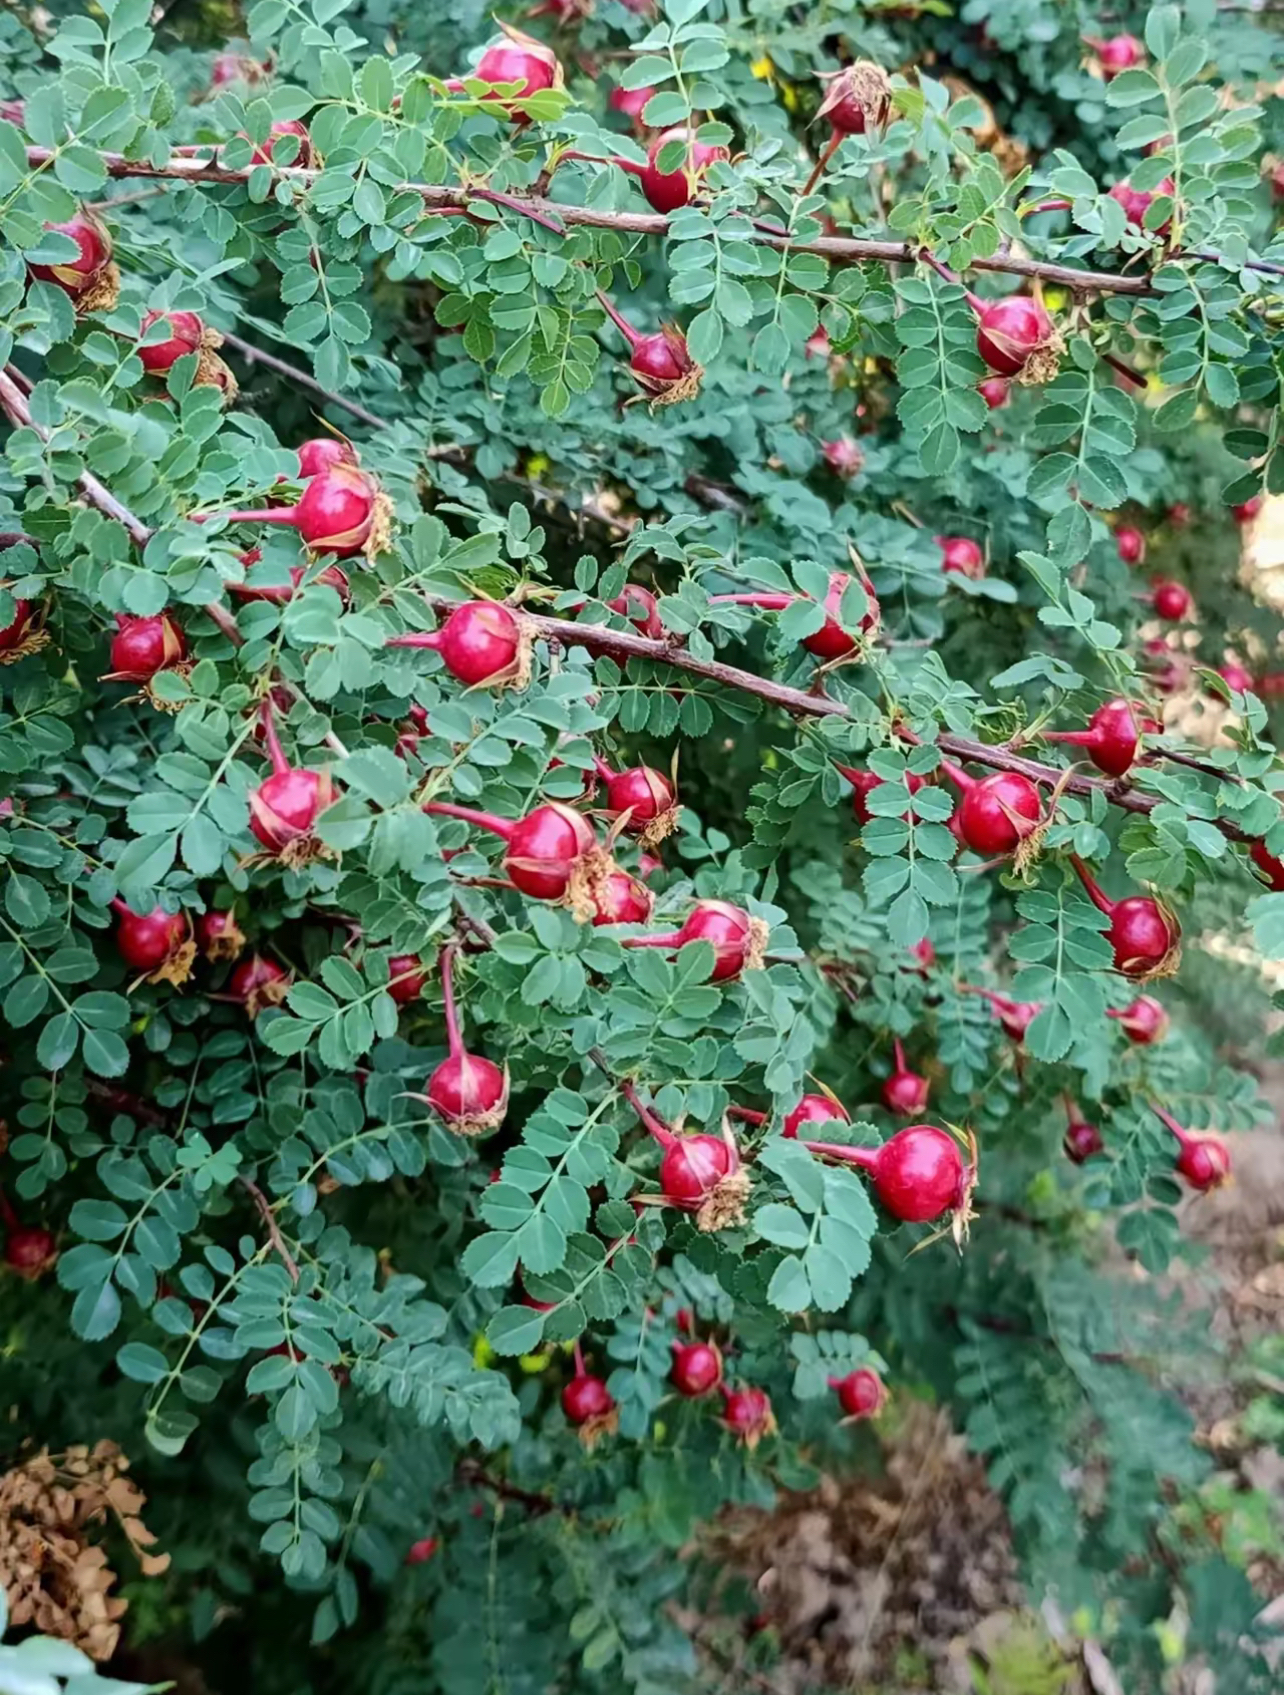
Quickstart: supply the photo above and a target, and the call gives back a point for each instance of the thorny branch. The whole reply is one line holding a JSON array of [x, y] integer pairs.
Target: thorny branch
[[273, 1229]]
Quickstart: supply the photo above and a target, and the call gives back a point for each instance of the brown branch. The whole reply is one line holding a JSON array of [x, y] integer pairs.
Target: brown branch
[[840, 249], [14, 404], [469, 1472], [283, 368], [623, 645], [270, 1224]]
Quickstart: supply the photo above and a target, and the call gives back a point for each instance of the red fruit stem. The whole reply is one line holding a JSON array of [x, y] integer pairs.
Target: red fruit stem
[[8, 1217], [663, 1135], [119, 907], [632, 336], [249, 515], [1078, 738], [898, 1053], [580, 1370], [446, 965], [1092, 887], [866, 1158], [818, 170], [280, 764], [483, 820], [1178, 1130], [770, 602], [674, 939], [603, 770], [416, 638], [958, 776], [747, 1115], [610, 159]]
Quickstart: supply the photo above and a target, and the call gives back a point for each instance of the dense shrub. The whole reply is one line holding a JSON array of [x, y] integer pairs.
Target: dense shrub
[[475, 533]]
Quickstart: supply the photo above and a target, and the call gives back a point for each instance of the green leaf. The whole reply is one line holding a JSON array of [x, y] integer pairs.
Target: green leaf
[[782, 1225]]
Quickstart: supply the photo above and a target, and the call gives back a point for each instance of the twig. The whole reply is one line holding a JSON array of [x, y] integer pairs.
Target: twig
[[841, 249], [468, 1471], [283, 368], [270, 1224], [624, 645], [14, 404]]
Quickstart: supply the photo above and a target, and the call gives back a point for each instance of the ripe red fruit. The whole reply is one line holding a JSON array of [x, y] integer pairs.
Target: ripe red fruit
[[302, 159], [961, 554], [481, 643], [1120, 53], [1204, 1161], [1170, 600], [994, 392], [669, 190], [1178, 514], [816, 345], [1082, 1141], [861, 1394], [420, 1552], [630, 102], [747, 1414], [285, 807], [338, 510], [519, 59], [1269, 864], [918, 1173], [997, 812], [863, 785], [832, 641], [699, 1173], [278, 593], [697, 1368], [585, 1398], [407, 975], [1136, 201], [91, 278], [545, 848], [621, 899], [218, 935], [737, 939], [1016, 1017], [638, 606], [1144, 935], [858, 100], [320, 453], [468, 1091], [143, 646], [644, 793], [1130, 544], [20, 636], [1014, 334], [1236, 678], [1248, 509], [29, 1250], [815, 1109], [187, 333], [1144, 1020], [905, 1091], [154, 942], [1112, 737], [663, 366], [258, 982]]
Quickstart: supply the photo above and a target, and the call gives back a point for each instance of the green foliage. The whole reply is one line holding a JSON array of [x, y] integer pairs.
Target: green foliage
[[326, 1322]]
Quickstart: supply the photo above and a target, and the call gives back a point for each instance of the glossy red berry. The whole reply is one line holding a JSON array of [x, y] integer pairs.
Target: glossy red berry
[[1204, 1162], [1012, 332], [638, 605], [1248, 509], [861, 1394], [832, 641], [643, 792], [630, 102], [858, 100], [320, 453], [845, 457], [962, 555], [733, 935], [285, 807], [407, 975], [143, 646], [669, 190], [692, 1167], [815, 1109], [621, 899], [187, 332], [586, 1397], [1143, 1020], [29, 1251], [997, 812], [258, 982], [919, 1174], [146, 941], [1120, 53], [663, 365], [1082, 1141], [905, 1091], [1170, 600], [864, 783], [544, 849], [300, 158], [419, 1553], [1136, 202], [994, 391], [337, 511], [747, 1414], [79, 275], [1269, 864], [470, 1092], [1130, 544], [218, 935], [696, 1369]]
